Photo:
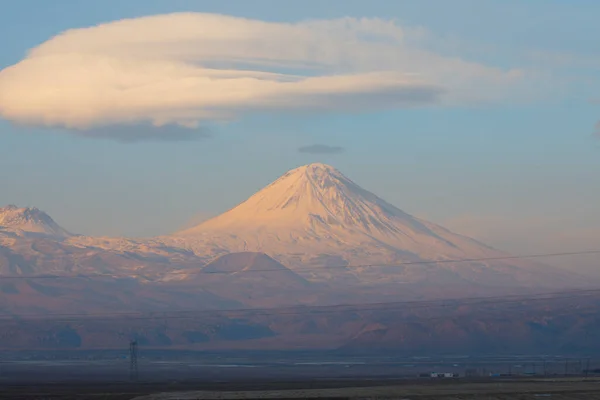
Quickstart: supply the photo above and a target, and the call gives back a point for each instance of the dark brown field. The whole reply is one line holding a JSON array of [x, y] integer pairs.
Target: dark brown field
[[238, 375], [556, 389]]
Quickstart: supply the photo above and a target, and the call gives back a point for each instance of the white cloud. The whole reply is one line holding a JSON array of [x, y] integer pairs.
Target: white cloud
[[188, 68]]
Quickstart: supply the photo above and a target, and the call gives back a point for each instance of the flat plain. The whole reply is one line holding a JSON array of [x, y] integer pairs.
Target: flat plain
[[556, 388]]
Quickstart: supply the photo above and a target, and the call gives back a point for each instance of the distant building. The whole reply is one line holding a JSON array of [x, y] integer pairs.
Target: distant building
[[443, 375]]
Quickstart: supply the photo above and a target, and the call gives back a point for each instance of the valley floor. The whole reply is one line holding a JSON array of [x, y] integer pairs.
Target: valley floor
[[574, 388], [254, 375]]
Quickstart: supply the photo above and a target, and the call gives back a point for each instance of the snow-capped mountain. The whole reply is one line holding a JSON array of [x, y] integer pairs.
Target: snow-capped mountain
[[26, 220], [314, 215], [311, 217], [315, 207], [312, 237]]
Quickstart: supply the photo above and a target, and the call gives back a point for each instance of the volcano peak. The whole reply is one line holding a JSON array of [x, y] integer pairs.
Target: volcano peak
[[314, 213]]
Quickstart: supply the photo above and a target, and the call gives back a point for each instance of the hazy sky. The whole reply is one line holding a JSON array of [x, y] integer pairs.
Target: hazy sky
[[480, 115]]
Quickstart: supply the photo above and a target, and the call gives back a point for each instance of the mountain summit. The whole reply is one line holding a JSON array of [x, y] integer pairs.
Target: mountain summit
[[312, 198], [316, 216], [30, 221], [321, 216], [319, 206]]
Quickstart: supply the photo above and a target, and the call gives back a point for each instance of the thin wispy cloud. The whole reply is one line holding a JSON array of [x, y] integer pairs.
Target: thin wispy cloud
[[597, 130], [321, 149], [190, 68]]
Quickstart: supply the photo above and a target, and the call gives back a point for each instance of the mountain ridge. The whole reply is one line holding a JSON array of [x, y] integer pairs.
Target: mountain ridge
[[311, 217], [311, 238]]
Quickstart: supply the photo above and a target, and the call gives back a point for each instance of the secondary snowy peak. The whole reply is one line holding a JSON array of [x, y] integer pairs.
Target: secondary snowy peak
[[29, 220]]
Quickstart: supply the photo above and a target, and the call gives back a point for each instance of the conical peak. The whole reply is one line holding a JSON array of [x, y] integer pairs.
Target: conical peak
[[307, 196], [309, 183]]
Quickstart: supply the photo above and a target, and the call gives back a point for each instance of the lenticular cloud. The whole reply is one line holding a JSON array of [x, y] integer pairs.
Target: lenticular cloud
[[189, 68]]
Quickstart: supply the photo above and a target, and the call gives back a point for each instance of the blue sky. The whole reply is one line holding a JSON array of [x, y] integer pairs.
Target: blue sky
[[521, 161]]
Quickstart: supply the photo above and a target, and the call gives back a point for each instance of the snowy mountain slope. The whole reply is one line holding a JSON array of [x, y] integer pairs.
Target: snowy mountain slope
[[311, 217], [32, 243], [318, 206], [314, 215], [30, 221]]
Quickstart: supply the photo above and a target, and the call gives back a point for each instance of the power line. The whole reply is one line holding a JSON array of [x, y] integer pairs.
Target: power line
[[313, 310], [313, 269]]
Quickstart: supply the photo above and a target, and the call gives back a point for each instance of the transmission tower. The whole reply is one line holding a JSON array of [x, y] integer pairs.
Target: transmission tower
[[133, 360], [587, 367]]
